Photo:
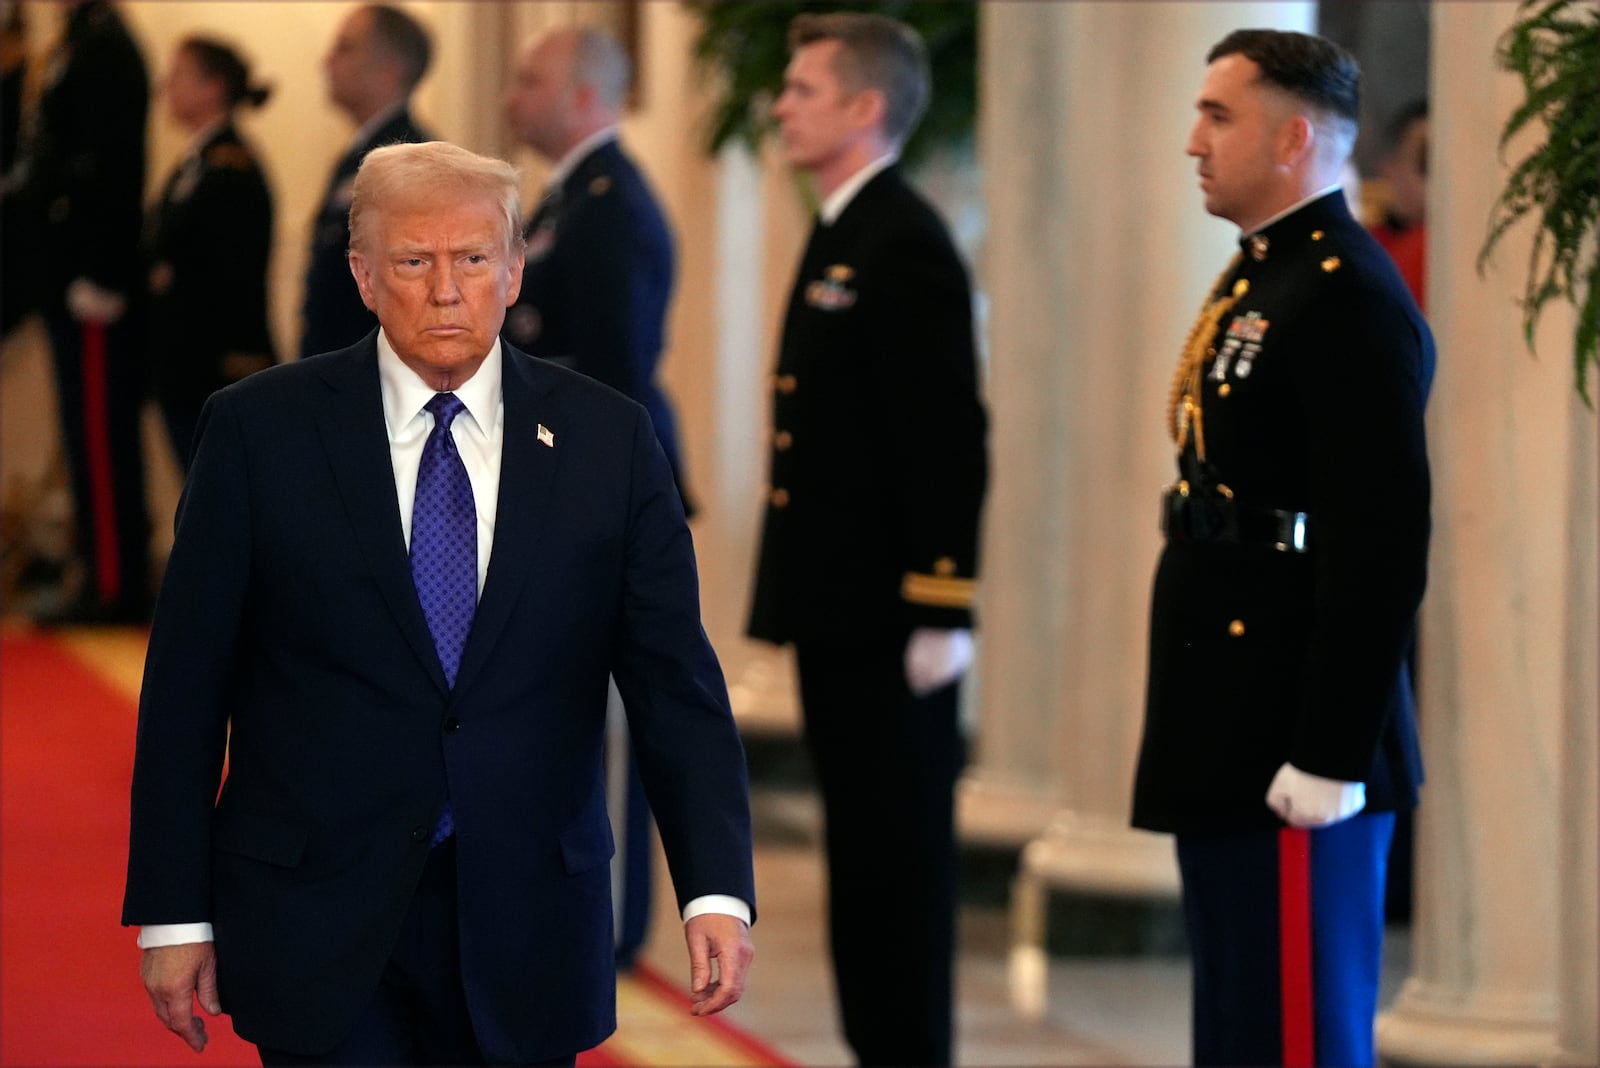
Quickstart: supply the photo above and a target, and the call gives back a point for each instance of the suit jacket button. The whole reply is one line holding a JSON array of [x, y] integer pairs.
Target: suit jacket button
[[782, 440], [780, 498], [452, 724], [1236, 628], [787, 384], [419, 834]]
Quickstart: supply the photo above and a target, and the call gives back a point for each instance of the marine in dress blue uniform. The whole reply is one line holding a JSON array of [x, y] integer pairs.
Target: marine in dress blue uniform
[[84, 186], [1279, 736], [869, 546]]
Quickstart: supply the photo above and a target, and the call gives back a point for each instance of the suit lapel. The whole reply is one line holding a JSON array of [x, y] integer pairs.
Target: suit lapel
[[350, 420], [527, 474]]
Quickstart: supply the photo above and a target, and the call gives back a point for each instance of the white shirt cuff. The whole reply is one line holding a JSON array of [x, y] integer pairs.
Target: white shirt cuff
[[156, 935], [722, 904]]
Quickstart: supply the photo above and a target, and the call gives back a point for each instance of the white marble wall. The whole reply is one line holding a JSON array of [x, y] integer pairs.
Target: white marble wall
[[1504, 936]]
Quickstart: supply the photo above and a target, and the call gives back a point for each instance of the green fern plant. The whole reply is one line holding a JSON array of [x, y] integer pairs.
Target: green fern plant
[[1554, 48], [745, 43]]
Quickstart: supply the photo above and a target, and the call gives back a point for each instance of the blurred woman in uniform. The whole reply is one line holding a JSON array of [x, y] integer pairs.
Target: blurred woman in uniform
[[208, 242]]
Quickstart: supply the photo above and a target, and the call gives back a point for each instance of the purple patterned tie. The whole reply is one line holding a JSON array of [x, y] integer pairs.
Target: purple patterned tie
[[444, 548]]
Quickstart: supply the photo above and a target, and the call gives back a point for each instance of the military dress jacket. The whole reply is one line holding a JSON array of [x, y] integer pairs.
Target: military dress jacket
[[207, 243], [879, 442], [1312, 402], [333, 315], [84, 180], [596, 284]]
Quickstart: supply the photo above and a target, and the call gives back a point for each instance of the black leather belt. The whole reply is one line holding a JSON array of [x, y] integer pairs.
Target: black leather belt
[[1201, 519]]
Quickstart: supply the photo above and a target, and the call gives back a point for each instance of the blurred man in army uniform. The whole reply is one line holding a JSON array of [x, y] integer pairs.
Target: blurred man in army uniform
[[596, 282], [869, 550], [378, 56], [1279, 735]]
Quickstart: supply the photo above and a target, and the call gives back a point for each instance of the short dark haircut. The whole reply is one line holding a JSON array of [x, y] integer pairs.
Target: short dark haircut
[[221, 62], [876, 52], [403, 38], [1311, 68]]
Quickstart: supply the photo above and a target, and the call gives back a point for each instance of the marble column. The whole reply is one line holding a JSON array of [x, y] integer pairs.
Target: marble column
[[1098, 254], [1504, 931]]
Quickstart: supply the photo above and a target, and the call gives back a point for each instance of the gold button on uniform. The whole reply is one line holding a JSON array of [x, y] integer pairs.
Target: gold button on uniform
[[944, 567], [787, 383], [782, 440], [1236, 628], [780, 498], [1224, 389]]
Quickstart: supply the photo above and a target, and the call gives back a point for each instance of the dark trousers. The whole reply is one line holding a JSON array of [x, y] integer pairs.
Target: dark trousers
[[633, 893], [418, 1015], [887, 764], [1235, 900], [100, 386]]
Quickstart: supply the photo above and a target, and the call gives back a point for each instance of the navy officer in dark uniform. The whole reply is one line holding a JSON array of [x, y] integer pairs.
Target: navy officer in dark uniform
[[869, 548], [378, 56], [1279, 737], [596, 282]]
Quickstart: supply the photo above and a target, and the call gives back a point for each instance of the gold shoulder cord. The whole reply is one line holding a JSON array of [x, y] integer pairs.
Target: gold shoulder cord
[[1183, 400]]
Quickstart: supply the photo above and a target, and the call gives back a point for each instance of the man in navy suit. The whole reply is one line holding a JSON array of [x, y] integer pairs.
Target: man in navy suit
[[406, 862], [595, 289], [374, 64]]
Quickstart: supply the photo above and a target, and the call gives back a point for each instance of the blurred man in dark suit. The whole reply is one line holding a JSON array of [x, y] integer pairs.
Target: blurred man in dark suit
[[594, 297], [377, 58]]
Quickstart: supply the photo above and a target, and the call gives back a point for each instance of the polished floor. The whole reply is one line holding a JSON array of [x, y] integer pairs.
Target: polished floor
[[1103, 1009]]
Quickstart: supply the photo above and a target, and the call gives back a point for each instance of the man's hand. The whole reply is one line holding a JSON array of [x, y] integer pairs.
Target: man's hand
[[172, 976], [90, 303], [936, 657], [1302, 799], [719, 957]]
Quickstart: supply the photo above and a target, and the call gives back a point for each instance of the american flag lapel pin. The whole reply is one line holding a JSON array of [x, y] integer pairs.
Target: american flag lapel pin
[[546, 438]]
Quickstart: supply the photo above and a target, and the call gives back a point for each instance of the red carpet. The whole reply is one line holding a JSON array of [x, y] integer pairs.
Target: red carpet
[[69, 975]]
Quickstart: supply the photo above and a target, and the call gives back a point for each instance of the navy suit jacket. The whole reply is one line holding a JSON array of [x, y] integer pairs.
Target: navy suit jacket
[[288, 634]]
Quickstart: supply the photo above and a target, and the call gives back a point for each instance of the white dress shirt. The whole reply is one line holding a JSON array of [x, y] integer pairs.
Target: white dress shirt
[[479, 432]]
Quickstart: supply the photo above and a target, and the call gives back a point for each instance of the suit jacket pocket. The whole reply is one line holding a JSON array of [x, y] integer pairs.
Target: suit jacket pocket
[[269, 839], [587, 844]]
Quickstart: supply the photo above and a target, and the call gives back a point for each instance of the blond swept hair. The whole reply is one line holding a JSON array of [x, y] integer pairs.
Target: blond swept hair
[[413, 174]]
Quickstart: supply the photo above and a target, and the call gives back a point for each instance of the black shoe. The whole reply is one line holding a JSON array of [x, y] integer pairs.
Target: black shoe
[[91, 612], [42, 573]]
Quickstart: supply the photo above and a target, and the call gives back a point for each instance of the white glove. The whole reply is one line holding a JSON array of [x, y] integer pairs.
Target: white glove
[[1302, 799], [88, 303], [936, 657]]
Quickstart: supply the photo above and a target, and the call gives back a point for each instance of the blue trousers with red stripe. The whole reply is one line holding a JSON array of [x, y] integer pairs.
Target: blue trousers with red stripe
[[1250, 1007], [100, 387]]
